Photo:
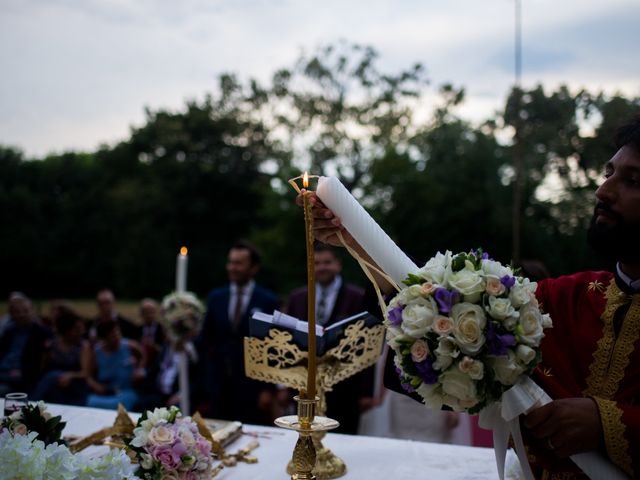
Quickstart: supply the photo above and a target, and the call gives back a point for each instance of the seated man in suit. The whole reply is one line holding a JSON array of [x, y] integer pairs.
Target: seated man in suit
[[335, 300], [230, 394]]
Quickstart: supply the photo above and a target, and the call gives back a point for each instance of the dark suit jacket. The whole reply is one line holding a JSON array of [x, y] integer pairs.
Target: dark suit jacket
[[231, 395], [348, 303], [32, 355], [343, 401]]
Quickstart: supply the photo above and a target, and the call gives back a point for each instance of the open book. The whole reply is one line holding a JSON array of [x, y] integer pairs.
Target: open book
[[326, 337]]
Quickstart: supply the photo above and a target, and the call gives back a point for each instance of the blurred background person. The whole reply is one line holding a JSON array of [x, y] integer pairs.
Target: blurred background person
[[230, 394], [22, 346], [67, 361], [335, 300], [106, 303], [117, 364], [152, 335]]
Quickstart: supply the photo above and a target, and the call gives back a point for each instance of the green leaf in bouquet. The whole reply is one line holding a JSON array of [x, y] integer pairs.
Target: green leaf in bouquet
[[458, 262], [413, 279]]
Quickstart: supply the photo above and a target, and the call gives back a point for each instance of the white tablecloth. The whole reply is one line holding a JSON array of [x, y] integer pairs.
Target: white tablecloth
[[366, 457]]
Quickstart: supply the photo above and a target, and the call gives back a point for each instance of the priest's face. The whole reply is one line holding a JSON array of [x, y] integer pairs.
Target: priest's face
[[615, 226]]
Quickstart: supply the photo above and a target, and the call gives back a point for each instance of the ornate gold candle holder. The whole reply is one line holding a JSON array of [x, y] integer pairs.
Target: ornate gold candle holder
[[303, 461], [276, 359]]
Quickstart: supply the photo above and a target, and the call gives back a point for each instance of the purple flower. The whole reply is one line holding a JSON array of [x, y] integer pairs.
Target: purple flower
[[497, 344], [407, 387], [426, 371], [395, 315], [508, 281], [445, 299]]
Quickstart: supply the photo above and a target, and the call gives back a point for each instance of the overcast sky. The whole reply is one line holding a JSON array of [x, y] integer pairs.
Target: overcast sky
[[78, 73]]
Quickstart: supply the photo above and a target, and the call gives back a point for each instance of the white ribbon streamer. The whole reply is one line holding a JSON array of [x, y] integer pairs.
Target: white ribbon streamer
[[503, 418]]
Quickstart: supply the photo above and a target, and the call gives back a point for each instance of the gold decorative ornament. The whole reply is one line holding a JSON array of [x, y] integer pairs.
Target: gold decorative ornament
[[276, 359]]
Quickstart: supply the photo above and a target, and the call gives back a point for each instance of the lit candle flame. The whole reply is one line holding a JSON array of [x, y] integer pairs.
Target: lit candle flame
[[183, 251], [305, 180]]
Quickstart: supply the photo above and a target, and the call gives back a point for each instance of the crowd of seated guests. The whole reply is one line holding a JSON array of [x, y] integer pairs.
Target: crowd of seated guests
[[65, 358]]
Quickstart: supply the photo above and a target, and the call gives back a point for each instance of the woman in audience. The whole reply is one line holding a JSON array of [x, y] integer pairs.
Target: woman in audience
[[117, 364], [66, 363]]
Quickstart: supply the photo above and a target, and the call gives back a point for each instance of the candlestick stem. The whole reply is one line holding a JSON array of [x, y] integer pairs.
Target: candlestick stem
[[311, 299]]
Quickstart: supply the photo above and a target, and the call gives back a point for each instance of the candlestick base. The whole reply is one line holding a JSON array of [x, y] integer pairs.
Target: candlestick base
[[304, 461]]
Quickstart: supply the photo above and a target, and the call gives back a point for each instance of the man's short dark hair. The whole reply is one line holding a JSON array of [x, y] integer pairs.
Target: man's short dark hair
[[629, 134], [254, 253], [324, 247]]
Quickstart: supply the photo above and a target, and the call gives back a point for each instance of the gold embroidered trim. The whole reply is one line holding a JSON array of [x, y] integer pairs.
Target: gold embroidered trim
[[596, 285], [613, 430], [611, 357]]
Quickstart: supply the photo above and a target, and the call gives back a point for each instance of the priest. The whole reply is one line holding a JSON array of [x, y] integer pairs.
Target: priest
[[591, 358]]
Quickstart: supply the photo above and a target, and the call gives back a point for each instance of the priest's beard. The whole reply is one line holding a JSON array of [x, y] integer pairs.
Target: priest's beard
[[618, 242]]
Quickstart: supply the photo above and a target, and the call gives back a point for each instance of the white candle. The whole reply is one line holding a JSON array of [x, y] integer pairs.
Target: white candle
[[387, 255], [181, 270]]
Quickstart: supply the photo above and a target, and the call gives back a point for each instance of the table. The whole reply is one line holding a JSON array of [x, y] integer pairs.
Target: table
[[366, 457]]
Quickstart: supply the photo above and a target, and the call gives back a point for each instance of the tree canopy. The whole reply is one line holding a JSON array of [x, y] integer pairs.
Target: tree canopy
[[216, 171]]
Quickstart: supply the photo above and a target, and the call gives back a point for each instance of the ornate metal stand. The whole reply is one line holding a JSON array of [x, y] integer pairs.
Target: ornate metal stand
[[276, 359]]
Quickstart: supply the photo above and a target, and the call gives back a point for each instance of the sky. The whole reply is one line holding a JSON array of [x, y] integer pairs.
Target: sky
[[76, 74]]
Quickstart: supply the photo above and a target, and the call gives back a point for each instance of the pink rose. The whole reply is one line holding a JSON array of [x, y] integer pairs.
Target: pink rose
[[169, 459], [427, 288], [20, 429], [419, 350], [494, 286], [465, 364], [442, 325]]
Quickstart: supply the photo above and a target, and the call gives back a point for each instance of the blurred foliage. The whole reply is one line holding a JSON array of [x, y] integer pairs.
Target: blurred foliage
[[216, 171]]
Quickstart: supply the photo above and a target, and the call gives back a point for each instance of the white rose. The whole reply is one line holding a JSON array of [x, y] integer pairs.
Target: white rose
[[394, 335], [436, 268], [186, 436], [522, 292], [495, 269], [445, 353], [431, 395], [468, 324], [529, 327], [500, 308], [525, 354], [460, 386], [506, 368], [161, 435], [418, 316], [494, 286], [469, 283], [546, 320], [409, 294]]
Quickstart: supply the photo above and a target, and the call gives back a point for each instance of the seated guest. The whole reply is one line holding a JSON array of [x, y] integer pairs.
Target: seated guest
[[67, 361], [21, 347], [117, 363], [163, 387], [107, 312], [152, 337]]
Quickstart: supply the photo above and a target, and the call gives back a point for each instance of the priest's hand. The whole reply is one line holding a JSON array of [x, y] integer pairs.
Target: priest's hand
[[567, 426], [326, 224]]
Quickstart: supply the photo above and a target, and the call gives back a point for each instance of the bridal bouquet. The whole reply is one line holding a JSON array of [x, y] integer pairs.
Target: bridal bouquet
[[168, 445], [464, 329], [182, 314]]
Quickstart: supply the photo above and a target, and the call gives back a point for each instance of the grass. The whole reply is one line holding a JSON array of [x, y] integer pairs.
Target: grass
[[84, 307]]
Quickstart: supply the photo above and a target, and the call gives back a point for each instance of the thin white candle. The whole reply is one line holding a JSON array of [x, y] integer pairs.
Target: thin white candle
[[181, 270], [387, 255]]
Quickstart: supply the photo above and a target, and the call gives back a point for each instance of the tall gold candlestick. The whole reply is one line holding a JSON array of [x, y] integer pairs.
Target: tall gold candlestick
[[311, 292]]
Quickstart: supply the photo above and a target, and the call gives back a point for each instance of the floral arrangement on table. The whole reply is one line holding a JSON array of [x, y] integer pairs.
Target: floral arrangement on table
[[169, 446], [464, 329], [35, 418], [32, 447], [182, 315]]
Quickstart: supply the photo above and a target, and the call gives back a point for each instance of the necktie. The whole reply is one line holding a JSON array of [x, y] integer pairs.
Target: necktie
[[237, 311], [322, 306]]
